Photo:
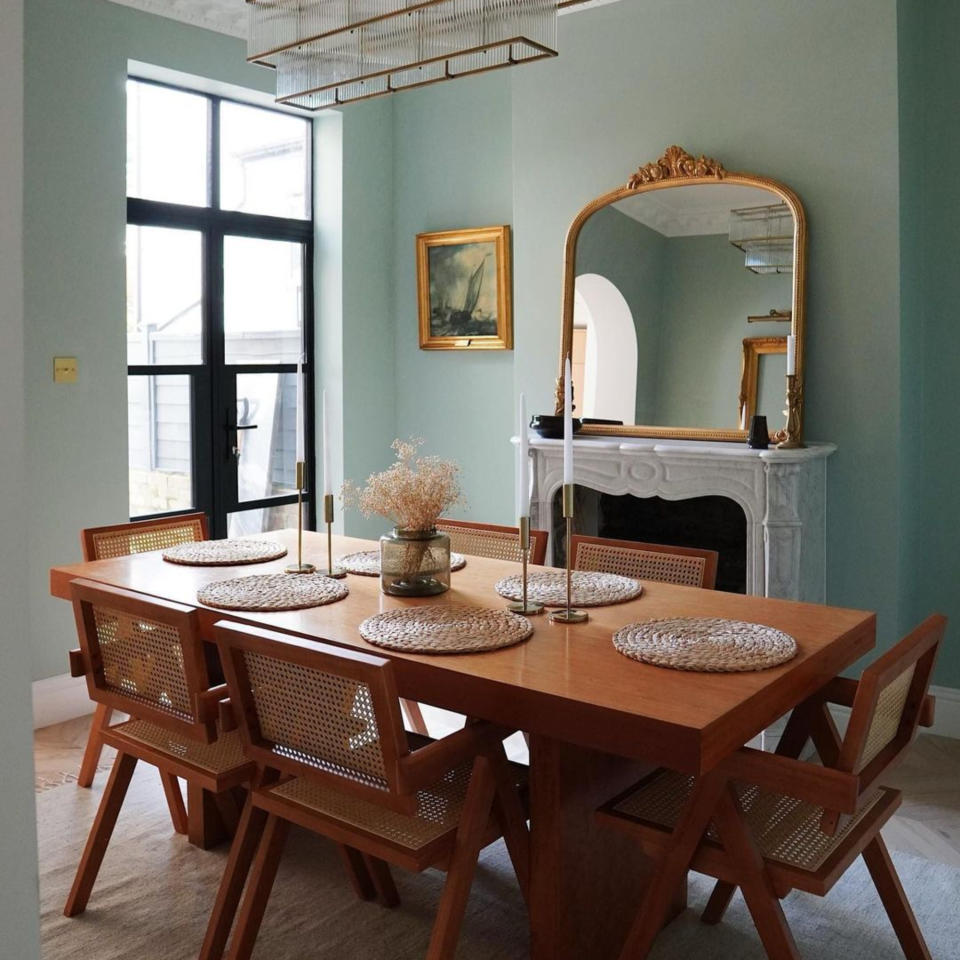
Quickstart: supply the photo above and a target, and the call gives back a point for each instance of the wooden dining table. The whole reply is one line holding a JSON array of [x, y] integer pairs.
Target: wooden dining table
[[597, 721]]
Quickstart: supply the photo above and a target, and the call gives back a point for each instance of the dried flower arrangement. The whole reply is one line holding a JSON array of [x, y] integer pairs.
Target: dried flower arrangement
[[412, 493]]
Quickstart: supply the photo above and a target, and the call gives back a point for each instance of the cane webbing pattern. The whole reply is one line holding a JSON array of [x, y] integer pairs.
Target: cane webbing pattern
[[438, 808], [641, 564], [887, 716], [221, 756], [785, 829], [484, 543], [143, 660], [317, 718], [143, 538]]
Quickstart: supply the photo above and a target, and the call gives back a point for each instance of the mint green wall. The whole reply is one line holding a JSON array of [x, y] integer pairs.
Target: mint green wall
[[631, 256], [804, 92], [930, 236], [452, 169]]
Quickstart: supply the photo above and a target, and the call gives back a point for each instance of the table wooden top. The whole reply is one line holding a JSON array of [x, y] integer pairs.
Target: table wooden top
[[566, 682]]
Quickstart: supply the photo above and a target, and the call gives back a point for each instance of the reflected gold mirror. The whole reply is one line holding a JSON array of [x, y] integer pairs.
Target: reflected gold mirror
[[680, 291]]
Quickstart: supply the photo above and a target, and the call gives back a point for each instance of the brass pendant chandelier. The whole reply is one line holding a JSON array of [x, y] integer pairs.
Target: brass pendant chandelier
[[330, 52]]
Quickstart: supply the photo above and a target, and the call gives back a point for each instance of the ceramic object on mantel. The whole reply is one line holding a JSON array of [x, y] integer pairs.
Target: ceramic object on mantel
[[550, 426]]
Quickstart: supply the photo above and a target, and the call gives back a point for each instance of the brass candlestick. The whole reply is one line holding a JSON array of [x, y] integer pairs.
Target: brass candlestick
[[336, 572], [793, 439], [568, 614], [300, 566], [526, 608]]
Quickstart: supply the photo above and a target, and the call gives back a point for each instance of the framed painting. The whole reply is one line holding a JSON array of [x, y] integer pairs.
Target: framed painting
[[463, 288]]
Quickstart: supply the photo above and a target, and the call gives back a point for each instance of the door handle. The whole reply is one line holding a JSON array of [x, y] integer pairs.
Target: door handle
[[235, 429]]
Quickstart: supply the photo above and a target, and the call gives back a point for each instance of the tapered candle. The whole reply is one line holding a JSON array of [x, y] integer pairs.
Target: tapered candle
[[327, 475], [567, 424], [523, 463], [301, 457], [791, 355]]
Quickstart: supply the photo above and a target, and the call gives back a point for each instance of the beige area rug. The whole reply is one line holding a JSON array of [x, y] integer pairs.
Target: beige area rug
[[154, 892]]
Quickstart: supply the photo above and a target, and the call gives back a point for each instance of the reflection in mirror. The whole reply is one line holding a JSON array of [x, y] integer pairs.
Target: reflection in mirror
[[666, 283], [764, 370]]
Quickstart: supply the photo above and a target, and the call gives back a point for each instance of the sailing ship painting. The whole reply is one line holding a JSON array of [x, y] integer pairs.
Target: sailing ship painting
[[463, 300]]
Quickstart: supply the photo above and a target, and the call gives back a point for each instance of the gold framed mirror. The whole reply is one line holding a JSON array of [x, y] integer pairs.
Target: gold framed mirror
[[664, 279]]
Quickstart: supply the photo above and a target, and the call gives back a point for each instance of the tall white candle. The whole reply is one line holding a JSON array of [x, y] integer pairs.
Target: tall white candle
[[301, 438], [327, 475], [523, 463], [567, 423], [791, 355]]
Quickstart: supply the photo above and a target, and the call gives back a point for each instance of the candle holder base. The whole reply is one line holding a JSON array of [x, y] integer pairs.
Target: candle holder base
[[337, 573], [569, 616], [300, 568], [530, 610]]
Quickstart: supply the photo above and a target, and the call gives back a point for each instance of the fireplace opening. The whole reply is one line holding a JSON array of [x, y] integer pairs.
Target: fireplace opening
[[712, 523]]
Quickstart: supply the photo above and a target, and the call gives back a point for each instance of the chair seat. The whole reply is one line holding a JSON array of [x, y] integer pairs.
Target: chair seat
[[785, 829], [218, 758]]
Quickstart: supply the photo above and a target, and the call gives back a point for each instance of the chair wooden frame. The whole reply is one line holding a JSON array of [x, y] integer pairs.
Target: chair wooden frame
[[200, 726], [844, 787], [710, 558], [538, 538], [492, 807], [103, 714]]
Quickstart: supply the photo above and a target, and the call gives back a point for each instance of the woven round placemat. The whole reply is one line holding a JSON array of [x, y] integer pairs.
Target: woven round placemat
[[587, 589], [273, 591], [224, 553], [366, 563], [708, 645], [445, 628]]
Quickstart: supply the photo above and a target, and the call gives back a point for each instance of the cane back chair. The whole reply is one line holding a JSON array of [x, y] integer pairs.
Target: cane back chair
[[687, 566], [491, 540], [324, 727], [145, 658], [770, 823], [122, 540]]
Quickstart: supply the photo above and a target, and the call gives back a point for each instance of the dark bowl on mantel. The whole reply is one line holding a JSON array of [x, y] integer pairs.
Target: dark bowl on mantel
[[550, 426]]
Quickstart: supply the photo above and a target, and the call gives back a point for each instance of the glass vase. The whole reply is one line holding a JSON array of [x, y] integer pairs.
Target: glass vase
[[414, 563]]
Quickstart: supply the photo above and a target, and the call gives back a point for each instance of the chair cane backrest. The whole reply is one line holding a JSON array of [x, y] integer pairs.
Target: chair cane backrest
[[493, 541], [143, 657], [686, 566], [141, 536], [318, 711]]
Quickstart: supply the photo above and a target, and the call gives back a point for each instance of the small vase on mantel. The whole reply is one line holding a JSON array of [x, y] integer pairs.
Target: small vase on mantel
[[414, 563]]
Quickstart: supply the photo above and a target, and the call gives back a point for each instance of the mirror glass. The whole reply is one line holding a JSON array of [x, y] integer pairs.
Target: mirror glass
[[669, 285]]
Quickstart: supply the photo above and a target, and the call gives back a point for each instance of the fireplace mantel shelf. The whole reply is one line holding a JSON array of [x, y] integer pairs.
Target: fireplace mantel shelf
[[782, 493]]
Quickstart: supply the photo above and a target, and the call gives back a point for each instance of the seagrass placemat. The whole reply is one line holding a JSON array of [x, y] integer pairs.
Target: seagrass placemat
[[708, 645], [273, 591], [445, 628], [587, 589], [366, 563], [224, 553]]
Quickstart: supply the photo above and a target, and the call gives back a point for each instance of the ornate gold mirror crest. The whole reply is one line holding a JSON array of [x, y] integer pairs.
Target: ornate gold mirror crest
[[757, 213]]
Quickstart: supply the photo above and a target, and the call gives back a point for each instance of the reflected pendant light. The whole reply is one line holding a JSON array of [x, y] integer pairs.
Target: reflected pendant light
[[765, 235], [329, 52]]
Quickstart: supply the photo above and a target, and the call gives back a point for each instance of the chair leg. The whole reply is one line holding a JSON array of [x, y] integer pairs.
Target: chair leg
[[178, 812], [414, 715], [262, 875], [91, 754], [245, 842], [511, 819], [719, 901], [383, 883], [100, 832], [895, 901], [356, 867], [467, 846], [673, 866], [228, 810], [205, 827]]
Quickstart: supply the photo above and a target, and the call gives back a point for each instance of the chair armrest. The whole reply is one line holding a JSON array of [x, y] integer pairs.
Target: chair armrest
[[426, 766], [208, 703], [227, 719], [78, 663], [843, 690], [823, 786]]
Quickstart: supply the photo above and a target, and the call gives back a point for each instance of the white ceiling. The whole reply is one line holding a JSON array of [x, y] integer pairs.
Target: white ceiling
[[224, 16], [694, 211]]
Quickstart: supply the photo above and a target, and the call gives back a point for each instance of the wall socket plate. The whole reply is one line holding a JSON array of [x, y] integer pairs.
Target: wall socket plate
[[64, 369]]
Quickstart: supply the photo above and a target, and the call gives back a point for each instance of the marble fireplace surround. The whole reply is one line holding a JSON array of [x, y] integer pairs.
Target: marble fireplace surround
[[782, 494]]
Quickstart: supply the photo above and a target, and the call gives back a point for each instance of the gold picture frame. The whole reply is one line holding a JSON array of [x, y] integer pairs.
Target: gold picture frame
[[464, 300], [753, 349]]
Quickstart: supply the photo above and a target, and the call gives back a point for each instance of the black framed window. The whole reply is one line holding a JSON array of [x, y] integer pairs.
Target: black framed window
[[219, 250]]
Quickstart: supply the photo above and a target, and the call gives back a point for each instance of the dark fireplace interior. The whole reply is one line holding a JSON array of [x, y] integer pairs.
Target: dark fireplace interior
[[714, 523]]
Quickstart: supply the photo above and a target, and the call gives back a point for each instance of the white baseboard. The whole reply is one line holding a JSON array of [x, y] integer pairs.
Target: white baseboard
[[56, 699], [946, 721]]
